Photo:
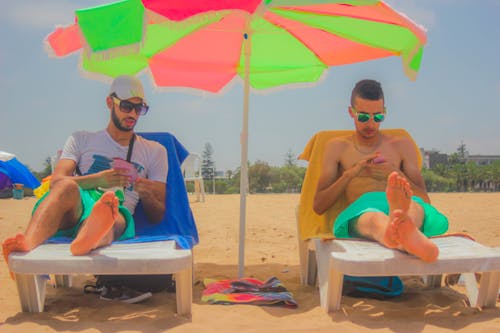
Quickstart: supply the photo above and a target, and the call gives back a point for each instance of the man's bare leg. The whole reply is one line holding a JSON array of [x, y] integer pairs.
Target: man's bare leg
[[60, 210], [408, 235], [14, 244], [96, 229]]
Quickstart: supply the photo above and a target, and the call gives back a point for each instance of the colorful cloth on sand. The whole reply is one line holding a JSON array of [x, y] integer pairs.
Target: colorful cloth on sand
[[247, 291]]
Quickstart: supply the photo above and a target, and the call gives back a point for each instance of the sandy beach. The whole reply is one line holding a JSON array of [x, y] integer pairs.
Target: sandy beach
[[271, 250]]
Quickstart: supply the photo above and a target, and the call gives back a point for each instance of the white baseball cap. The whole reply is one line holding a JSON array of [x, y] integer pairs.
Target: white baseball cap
[[126, 86]]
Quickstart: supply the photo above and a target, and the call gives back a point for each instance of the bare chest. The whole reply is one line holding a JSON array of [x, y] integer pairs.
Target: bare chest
[[388, 151]]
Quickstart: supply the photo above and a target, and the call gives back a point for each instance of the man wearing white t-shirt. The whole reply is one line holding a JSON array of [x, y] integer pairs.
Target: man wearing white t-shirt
[[99, 180]]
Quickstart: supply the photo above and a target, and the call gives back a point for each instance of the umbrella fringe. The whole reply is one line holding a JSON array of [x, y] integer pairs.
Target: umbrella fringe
[[111, 53], [406, 17], [92, 75], [407, 58], [289, 86], [150, 17], [192, 91], [50, 51], [237, 80], [115, 51]]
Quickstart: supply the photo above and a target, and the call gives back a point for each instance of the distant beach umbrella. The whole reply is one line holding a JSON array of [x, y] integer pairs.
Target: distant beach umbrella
[[206, 44]]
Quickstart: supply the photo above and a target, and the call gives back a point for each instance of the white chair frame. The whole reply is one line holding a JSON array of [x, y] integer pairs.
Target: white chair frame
[[191, 170]]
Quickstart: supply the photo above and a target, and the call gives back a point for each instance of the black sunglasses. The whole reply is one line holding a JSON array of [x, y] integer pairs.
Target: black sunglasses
[[127, 106], [363, 117]]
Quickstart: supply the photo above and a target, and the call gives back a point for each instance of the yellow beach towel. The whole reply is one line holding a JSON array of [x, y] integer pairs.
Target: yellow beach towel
[[312, 225]]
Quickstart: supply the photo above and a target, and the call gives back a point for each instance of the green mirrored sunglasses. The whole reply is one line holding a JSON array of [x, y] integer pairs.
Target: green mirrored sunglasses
[[363, 117]]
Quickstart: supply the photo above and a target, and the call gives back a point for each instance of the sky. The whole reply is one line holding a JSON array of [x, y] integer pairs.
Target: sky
[[455, 99]]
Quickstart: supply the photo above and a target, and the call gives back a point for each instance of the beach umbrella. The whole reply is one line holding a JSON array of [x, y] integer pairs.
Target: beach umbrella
[[207, 44], [16, 171]]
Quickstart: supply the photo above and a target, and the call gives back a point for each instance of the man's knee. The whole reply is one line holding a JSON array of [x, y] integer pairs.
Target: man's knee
[[416, 213], [119, 227], [369, 223], [66, 188]]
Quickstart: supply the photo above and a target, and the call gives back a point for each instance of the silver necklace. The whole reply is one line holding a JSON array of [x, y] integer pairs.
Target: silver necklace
[[375, 147]]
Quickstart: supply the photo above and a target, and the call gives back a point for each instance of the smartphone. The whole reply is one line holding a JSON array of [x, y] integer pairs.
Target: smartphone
[[119, 163]]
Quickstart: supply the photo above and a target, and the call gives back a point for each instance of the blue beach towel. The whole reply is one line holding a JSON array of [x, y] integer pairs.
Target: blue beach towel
[[178, 223]]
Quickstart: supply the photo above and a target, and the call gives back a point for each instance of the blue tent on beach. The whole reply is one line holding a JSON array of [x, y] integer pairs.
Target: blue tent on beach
[[14, 172]]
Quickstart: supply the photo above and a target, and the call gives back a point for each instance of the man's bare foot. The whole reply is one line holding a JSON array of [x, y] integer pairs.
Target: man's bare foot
[[97, 225], [398, 192], [18, 243], [412, 240], [391, 237]]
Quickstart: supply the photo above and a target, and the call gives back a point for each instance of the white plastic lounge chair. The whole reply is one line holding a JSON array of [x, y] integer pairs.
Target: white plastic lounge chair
[[191, 169], [326, 261], [162, 257], [162, 248], [365, 258]]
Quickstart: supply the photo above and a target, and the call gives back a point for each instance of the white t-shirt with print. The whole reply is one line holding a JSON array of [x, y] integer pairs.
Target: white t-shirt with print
[[94, 152]]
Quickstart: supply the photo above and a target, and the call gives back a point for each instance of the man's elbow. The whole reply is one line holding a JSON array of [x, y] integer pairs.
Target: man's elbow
[[318, 208]]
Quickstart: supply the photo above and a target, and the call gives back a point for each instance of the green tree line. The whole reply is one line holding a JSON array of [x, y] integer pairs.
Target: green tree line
[[262, 178], [461, 176], [457, 175]]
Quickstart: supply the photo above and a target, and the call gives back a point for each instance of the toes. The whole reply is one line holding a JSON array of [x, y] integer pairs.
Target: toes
[[9, 242], [393, 178], [401, 183]]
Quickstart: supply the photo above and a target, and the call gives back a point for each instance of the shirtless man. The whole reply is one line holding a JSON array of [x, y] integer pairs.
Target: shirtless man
[[380, 178], [79, 206]]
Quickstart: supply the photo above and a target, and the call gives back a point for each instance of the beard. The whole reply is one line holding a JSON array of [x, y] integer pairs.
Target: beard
[[116, 122]]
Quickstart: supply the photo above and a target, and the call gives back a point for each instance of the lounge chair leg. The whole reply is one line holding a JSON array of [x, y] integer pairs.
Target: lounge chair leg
[[330, 281], [303, 264], [471, 287], [312, 268], [184, 291], [197, 190], [63, 281], [334, 290], [488, 290], [202, 190], [31, 289]]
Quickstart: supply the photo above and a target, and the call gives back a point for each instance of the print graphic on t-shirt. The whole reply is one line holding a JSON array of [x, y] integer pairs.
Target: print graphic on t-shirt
[[100, 163], [104, 163]]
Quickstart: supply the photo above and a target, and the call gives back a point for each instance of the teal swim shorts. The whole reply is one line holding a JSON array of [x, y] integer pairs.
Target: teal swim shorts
[[88, 199], [435, 223]]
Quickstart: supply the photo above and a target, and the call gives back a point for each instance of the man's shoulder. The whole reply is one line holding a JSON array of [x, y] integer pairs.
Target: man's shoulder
[[397, 138], [336, 146], [87, 133], [84, 134], [339, 140], [399, 134], [151, 144]]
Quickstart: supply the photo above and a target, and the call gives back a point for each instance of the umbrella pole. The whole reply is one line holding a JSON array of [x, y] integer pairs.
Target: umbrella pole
[[244, 157]]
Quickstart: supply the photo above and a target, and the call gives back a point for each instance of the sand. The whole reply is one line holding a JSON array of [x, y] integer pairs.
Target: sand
[[271, 250]]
